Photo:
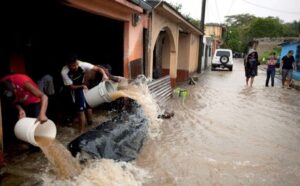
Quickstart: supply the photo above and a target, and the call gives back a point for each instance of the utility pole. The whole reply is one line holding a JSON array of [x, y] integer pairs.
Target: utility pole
[[201, 36]]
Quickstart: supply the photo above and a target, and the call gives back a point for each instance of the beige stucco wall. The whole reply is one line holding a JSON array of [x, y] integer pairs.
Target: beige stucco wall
[[184, 51], [194, 52], [215, 31], [180, 53], [188, 52]]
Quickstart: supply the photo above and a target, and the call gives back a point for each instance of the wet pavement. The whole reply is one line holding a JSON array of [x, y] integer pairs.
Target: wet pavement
[[222, 133]]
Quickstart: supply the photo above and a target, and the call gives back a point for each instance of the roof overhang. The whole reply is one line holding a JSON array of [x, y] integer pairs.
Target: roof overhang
[[105, 7], [169, 12]]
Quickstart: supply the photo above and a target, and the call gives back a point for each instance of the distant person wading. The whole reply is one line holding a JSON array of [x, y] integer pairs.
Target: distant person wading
[[288, 64], [251, 62]]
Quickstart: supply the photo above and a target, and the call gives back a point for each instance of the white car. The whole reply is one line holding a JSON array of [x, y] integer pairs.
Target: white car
[[222, 59]]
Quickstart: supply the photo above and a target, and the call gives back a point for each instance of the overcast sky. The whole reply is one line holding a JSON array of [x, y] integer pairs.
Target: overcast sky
[[216, 10]]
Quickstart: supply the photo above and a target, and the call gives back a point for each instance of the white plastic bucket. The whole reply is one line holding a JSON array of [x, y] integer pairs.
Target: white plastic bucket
[[26, 129], [100, 93]]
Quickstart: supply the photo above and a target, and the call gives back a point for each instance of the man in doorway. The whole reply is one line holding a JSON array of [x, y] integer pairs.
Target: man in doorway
[[288, 65], [73, 77]]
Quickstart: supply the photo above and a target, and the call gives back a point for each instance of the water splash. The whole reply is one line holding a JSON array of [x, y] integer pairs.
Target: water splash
[[138, 91], [65, 165], [103, 172]]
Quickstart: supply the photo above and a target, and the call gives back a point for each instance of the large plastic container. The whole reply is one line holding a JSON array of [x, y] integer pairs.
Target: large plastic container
[[100, 93], [27, 128]]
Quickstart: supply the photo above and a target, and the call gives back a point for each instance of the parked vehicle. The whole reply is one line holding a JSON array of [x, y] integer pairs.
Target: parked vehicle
[[222, 59]]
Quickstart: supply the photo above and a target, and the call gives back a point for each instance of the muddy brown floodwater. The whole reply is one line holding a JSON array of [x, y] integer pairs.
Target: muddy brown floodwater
[[225, 133], [222, 133]]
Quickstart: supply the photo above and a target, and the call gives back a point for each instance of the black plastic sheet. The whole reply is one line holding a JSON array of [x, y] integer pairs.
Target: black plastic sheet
[[120, 138]]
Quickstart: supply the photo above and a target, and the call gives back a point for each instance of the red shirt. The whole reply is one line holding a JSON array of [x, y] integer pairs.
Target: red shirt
[[22, 96]]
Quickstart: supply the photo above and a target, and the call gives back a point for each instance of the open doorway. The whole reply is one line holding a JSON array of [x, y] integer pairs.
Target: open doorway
[[36, 34], [161, 55]]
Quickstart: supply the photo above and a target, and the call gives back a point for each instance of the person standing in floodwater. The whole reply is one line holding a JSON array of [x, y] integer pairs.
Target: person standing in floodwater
[[251, 63], [271, 69], [288, 65], [73, 77]]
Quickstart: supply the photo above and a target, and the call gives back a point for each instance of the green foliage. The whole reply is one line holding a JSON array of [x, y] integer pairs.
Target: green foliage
[[240, 20], [266, 54], [268, 27], [176, 6], [195, 22], [243, 28], [232, 41]]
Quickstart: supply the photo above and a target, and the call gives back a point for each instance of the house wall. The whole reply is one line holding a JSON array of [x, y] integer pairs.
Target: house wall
[[194, 52], [268, 44], [120, 10], [180, 53], [183, 57], [215, 31]]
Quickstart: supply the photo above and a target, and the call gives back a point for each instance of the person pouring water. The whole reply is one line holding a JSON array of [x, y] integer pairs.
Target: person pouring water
[[21, 91], [73, 77]]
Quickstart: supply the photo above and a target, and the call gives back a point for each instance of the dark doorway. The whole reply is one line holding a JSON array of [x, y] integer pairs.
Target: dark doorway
[[44, 30], [41, 32]]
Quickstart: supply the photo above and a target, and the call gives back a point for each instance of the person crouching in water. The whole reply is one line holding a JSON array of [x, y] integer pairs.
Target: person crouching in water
[[73, 77], [271, 69]]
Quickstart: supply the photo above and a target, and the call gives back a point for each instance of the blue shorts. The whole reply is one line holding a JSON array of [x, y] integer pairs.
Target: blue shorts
[[79, 100]]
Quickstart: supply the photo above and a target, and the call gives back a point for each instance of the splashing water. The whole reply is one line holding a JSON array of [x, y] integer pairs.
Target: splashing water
[[138, 91], [104, 172], [65, 166]]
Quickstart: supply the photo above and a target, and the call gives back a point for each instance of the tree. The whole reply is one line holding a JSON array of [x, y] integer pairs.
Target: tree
[[244, 28], [268, 27], [240, 20], [232, 40], [294, 26]]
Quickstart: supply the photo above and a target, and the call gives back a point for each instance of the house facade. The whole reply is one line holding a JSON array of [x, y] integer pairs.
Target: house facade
[[173, 44], [215, 31]]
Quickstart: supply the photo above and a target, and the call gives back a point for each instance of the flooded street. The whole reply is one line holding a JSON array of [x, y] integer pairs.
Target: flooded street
[[222, 133], [225, 133]]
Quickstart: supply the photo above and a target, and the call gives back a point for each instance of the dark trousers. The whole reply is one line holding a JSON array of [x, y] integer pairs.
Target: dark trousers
[[270, 73]]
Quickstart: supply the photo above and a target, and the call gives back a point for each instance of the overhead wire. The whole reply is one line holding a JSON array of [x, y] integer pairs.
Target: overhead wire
[[269, 8], [217, 12], [231, 5]]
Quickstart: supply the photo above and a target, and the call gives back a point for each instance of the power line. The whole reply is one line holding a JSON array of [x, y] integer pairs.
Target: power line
[[272, 9], [231, 5], [217, 11]]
